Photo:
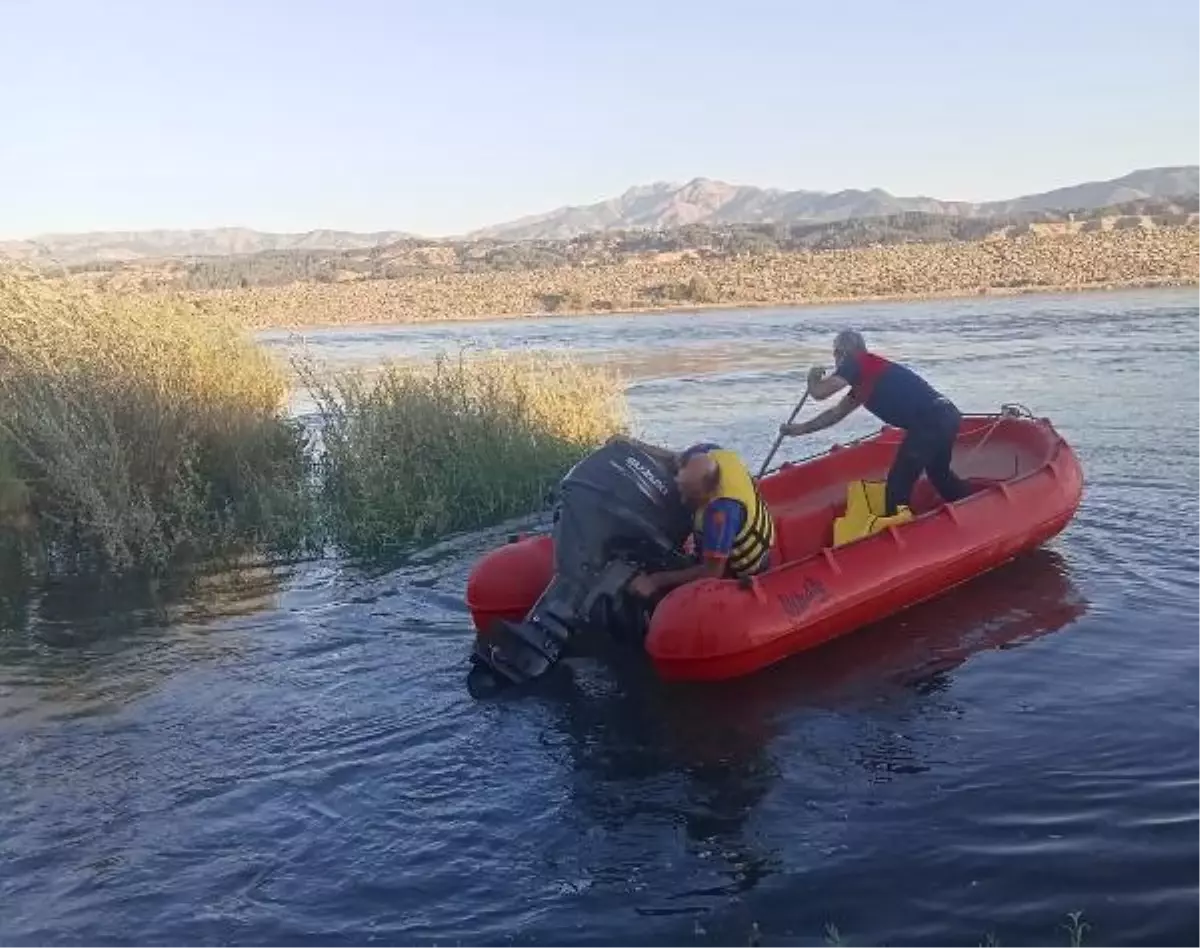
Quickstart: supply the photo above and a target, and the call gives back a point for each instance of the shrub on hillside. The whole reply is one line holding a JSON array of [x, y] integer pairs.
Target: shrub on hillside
[[700, 289]]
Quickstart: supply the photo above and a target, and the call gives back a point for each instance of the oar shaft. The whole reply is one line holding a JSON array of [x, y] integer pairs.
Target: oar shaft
[[779, 438]]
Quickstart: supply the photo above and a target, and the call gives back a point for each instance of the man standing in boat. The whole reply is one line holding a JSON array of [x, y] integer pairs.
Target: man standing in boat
[[897, 396], [733, 529]]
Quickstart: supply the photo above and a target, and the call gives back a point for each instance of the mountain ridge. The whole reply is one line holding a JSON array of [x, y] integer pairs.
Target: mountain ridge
[[101, 246], [664, 204], [660, 205]]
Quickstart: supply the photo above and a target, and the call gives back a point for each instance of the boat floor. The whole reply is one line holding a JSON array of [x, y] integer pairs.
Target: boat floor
[[806, 499]]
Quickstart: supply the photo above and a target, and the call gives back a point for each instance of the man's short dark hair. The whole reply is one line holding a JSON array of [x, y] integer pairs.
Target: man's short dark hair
[[702, 448]]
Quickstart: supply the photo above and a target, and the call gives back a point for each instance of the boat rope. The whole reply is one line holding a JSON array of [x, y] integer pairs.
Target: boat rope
[[1006, 411]]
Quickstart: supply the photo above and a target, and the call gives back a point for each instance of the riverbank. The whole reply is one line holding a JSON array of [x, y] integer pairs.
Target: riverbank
[[686, 308], [1039, 262]]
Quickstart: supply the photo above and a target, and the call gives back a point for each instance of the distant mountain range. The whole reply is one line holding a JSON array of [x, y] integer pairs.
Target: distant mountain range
[[657, 206], [98, 246], [702, 201]]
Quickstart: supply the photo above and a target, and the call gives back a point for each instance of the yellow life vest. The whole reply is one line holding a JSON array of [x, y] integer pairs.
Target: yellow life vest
[[757, 531]]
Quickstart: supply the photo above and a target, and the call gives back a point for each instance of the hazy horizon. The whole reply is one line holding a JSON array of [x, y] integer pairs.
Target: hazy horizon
[[290, 117]]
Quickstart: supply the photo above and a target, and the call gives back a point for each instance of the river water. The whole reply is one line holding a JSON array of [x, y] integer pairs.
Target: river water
[[292, 757]]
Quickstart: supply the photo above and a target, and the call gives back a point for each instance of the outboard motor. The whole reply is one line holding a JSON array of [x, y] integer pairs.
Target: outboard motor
[[619, 513]]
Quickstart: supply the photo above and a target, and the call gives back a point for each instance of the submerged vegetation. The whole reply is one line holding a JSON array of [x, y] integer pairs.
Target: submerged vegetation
[[417, 451], [1075, 928], [137, 435]]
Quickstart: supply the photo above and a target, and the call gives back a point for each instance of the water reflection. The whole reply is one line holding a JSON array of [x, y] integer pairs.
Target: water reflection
[[915, 651], [649, 755], [81, 647]]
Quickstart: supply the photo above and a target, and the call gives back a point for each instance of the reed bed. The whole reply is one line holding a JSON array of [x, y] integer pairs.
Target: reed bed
[[138, 433], [135, 433], [415, 451]]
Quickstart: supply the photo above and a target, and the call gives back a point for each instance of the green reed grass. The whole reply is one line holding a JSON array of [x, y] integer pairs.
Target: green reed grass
[[136, 432], [416, 451], [140, 432]]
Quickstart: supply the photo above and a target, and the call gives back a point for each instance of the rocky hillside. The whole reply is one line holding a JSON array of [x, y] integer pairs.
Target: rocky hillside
[[1042, 257]]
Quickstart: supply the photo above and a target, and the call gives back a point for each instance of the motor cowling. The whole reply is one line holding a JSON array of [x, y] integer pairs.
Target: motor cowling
[[618, 513]]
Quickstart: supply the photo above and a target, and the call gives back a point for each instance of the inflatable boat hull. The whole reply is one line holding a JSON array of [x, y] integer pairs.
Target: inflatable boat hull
[[1027, 485]]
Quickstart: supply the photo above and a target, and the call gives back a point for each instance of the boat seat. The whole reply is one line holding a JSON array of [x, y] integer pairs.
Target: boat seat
[[802, 530], [865, 504]]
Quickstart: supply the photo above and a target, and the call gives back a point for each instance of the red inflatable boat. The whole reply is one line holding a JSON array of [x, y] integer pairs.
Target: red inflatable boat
[[1027, 484]]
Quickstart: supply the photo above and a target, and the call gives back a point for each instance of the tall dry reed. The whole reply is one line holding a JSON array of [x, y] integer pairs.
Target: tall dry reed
[[415, 451], [135, 432]]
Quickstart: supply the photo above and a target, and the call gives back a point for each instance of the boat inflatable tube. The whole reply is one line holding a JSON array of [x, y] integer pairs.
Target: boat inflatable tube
[[836, 564]]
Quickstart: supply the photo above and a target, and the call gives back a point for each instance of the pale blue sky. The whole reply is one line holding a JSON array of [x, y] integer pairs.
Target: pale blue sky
[[437, 118]]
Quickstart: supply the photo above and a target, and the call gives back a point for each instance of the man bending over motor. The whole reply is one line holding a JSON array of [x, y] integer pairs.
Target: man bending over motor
[[733, 529], [899, 397]]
